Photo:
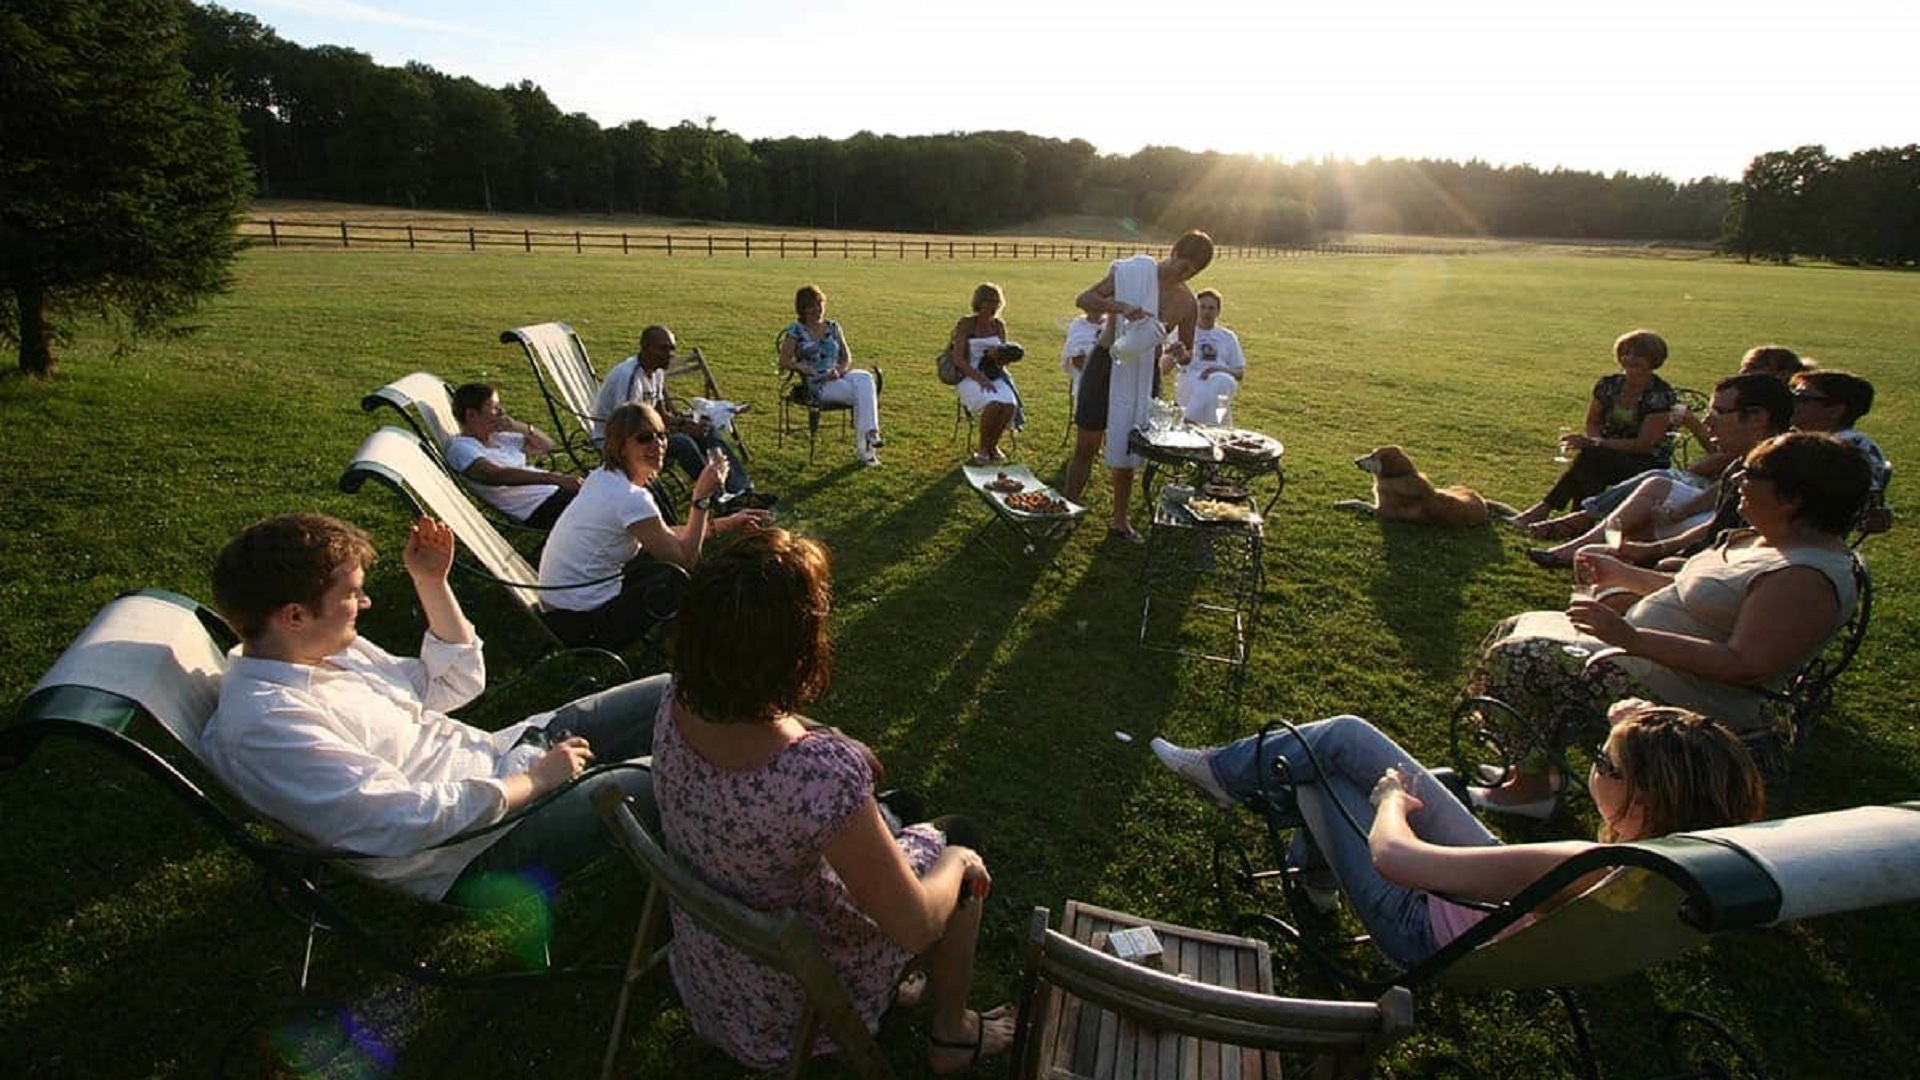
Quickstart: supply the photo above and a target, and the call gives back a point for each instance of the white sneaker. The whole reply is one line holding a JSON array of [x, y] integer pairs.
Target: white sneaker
[[1193, 767]]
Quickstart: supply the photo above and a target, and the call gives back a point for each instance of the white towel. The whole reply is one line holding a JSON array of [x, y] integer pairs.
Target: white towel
[[717, 413], [1136, 281]]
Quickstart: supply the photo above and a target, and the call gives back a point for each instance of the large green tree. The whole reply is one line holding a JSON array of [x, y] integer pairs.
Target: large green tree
[[121, 184]]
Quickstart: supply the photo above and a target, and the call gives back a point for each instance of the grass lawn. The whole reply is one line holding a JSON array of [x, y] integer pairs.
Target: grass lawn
[[134, 946]]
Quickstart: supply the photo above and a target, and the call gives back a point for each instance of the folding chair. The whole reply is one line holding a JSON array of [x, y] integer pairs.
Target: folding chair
[[398, 460], [567, 382], [1205, 1008], [693, 364], [794, 394], [425, 403], [141, 681], [779, 939]]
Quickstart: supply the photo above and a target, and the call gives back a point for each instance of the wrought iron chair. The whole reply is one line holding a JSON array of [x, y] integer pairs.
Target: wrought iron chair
[[794, 394], [1486, 728]]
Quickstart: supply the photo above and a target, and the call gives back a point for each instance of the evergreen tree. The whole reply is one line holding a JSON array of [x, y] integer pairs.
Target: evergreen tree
[[121, 186]]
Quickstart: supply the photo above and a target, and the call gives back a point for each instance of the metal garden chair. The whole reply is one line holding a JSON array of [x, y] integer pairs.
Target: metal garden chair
[[794, 394]]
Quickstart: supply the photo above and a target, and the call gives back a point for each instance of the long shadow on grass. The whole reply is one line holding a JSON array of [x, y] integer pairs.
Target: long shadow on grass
[[996, 689], [1419, 593]]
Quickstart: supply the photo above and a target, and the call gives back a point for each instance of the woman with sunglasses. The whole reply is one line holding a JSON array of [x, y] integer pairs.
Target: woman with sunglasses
[[612, 565], [1734, 622], [1403, 850]]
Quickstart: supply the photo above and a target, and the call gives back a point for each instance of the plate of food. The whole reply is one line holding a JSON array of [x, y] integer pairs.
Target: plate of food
[[1004, 485], [1218, 512], [1225, 490], [1249, 444], [1038, 503]]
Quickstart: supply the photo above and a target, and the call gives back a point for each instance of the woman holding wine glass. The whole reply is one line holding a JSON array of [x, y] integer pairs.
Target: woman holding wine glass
[[1626, 428], [1736, 621]]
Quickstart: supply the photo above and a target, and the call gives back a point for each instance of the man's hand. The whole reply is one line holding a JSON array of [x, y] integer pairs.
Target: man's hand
[[687, 425], [560, 764], [429, 552], [567, 482], [742, 521]]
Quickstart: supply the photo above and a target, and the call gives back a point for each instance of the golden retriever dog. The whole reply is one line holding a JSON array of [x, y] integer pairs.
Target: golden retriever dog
[[1403, 493]]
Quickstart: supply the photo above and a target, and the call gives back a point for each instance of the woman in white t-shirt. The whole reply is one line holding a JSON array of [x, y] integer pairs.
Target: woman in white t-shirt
[[612, 567]]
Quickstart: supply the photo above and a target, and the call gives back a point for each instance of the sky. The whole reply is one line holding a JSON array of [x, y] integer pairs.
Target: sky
[[1682, 88]]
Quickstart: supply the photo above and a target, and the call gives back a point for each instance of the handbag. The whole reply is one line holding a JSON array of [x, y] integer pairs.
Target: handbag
[[948, 371]]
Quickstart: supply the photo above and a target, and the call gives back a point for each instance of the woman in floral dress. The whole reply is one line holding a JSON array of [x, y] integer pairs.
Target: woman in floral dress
[[779, 812]]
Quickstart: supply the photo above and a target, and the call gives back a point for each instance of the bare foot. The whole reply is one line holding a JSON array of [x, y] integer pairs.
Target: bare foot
[[986, 1034]]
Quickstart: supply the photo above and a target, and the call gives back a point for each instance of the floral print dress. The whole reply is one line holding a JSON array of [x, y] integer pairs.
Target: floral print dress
[[759, 835]]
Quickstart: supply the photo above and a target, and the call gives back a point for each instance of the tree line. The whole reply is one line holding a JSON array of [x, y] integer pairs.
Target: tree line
[[1863, 209], [328, 122]]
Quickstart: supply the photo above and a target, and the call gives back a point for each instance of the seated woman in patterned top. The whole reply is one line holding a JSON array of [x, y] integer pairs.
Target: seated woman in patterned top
[[815, 348], [1626, 427], [780, 812]]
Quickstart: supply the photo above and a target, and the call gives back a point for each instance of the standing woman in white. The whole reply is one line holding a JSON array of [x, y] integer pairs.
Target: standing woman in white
[[815, 348]]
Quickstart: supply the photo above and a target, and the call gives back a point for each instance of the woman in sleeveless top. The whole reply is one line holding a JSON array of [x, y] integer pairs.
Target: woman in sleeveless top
[[975, 347], [1735, 621]]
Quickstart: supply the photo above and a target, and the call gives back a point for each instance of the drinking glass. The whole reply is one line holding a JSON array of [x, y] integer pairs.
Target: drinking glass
[[1560, 455]]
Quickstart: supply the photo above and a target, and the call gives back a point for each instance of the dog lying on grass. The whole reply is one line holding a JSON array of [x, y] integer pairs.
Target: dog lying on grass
[[1403, 493]]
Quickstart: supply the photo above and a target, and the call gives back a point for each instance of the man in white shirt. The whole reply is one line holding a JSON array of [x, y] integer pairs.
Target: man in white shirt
[[642, 378], [491, 452], [1208, 377], [350, 746]]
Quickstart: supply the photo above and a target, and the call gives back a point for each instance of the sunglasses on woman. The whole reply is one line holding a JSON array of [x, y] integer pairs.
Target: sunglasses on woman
[[1603, 763]]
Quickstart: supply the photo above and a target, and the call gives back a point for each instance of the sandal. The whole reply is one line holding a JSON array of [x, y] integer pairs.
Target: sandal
[[911, 991], [976, 1046], [1565, 528], [1115, 532]]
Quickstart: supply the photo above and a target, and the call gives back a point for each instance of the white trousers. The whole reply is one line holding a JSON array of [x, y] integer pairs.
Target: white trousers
[[855, 388]]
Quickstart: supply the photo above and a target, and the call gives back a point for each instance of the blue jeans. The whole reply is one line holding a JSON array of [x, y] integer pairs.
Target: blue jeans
[[691, 455], [566, 834], [1350, 754]]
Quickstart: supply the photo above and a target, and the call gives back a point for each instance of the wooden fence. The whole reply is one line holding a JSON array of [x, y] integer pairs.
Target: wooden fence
[[288, 233]]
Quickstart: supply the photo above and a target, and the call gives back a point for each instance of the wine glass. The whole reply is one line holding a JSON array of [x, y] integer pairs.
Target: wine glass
[[1560, 446]]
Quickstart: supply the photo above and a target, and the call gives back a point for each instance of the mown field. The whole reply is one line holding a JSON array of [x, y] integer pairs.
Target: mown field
[[135, 947]]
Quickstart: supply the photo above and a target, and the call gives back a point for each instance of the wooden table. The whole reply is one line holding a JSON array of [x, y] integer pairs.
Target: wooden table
[[1085, 1041]]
